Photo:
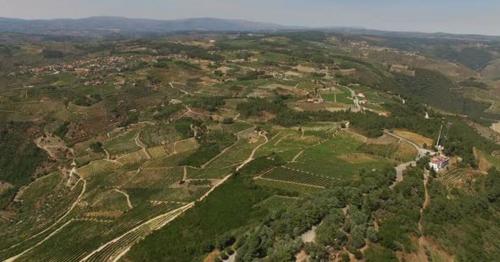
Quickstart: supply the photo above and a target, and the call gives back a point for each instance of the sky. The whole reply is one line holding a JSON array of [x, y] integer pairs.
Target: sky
[[451, 16]]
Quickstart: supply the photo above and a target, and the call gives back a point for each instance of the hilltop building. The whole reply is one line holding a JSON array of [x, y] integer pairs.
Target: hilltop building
[[439, 162]]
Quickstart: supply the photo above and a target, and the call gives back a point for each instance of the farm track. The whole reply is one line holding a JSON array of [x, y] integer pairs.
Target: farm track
[[290, 182], [422, 243], [357, 106], [108, 158], [171, 84], [251, 157], [118, 247], [221, 153], [40, 242], [294, 160], [139, 143], [425, 204], [174, 146], [127, 197], [307, 173], [402, 167], [281, 139], [115, 248], [75, 203]]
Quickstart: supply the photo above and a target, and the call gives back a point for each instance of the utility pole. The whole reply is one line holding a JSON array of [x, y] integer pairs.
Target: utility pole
[[335, 94], [439, 137]]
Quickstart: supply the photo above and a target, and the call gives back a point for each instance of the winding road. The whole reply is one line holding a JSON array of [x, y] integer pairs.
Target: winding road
[[355, 100], [402, 167], [139, 143], [127, 197], [118, 247], [75, 203]]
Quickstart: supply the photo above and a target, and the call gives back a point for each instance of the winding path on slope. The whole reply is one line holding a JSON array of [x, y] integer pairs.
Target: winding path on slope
[[425, 204], [355, 100], [427, 199], [252, 155], [127, 197], [402, 167], [78, 199], [157, 222], [139, 143]]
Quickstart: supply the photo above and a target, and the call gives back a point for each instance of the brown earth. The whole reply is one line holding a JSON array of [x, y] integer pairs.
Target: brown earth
[[357, 158], [212, 257], [414, 137], [483, 163]]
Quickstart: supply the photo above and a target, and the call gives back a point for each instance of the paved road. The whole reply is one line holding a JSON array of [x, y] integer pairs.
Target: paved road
[[402, 167], [421, 151]]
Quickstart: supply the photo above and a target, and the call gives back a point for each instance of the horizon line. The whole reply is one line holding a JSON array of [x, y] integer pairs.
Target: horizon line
[[294, 27]]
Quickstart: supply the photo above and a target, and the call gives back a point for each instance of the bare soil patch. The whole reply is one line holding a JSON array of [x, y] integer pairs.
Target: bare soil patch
[[212, 256], [357, 158], [382, 140], [483, 163], [4, 186], [414, 137]]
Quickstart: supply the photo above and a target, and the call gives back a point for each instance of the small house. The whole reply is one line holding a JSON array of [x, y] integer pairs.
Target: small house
[[439, 162]]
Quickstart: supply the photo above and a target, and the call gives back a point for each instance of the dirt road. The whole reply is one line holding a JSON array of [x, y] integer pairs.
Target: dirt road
[[139, 143], [75, 203], [114, 249], [402, 167]]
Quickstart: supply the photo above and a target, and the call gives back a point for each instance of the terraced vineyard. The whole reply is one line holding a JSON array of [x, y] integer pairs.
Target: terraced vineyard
[[231, 146], [299, 177]]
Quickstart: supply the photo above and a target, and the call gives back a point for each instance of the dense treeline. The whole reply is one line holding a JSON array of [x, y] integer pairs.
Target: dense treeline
[[277, 238], [19, 158], [185, 126], [435, 89], [167, 111], [212, 224], [208, 103], [458, 138], [472, 82], [474, 58], [258, 233], [211, 144], [400, 214], [465, 221]]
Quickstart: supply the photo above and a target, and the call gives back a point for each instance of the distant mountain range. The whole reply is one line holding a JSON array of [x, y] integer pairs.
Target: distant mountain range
[[109, 25]]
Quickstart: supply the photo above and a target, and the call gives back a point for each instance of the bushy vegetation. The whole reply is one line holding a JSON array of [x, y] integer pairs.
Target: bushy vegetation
[[474, 58], [213, 223], [87, 100], [336, 183], [211, 144], [435, 89], [165, 112], [52, 54], [208, 103], [185, 126], [472, 82], [19, 158], [465, 221], [400, 215]]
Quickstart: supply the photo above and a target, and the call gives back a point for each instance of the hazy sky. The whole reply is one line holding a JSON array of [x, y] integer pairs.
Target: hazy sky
[[454, 16]]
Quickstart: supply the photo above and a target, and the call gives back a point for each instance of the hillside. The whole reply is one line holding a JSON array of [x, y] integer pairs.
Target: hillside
[[222, 146], [120, 25]]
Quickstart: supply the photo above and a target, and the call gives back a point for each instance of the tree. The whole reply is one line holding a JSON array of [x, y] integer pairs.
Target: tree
[[96, 147]]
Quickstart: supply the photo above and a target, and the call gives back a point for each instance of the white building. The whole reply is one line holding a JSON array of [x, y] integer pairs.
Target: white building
[[439, 162]]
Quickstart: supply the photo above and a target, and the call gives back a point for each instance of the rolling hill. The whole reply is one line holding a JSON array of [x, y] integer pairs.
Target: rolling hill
[[107, 25]]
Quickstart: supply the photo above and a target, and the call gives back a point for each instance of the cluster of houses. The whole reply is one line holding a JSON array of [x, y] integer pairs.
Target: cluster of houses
[[80, 67]]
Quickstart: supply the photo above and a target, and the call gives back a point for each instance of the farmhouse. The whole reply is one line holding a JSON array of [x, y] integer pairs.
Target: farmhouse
[[439, 162]]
